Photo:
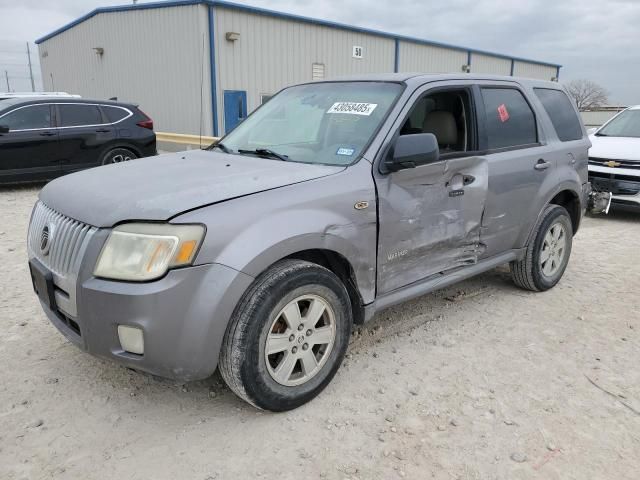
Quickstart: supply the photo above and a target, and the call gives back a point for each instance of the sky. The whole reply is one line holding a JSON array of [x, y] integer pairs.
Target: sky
[[596, 40]]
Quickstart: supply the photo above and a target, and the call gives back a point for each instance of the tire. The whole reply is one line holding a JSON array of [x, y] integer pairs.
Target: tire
[[117, 155], [259, 319], [546, 257]]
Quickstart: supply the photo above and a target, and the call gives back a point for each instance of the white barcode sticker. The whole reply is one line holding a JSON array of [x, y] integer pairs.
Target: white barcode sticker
[[353, 108]]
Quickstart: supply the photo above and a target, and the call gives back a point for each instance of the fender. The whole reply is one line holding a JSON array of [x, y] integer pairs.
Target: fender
[[568, 185], [259, 229]]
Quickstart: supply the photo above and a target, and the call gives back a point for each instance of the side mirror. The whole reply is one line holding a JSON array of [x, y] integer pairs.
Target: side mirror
[[4, 129], [411, 151]]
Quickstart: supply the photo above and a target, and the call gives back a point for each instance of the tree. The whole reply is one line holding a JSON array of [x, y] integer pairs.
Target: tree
[[587, 94]]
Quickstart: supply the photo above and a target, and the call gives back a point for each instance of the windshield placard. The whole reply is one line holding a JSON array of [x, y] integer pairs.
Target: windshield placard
[[353, 108]]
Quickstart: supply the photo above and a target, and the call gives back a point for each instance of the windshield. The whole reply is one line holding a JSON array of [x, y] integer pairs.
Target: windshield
[[327, 123], [626, 124]]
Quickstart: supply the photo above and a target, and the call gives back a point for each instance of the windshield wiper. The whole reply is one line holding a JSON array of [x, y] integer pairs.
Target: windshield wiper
[[265, 152], [221, 146]]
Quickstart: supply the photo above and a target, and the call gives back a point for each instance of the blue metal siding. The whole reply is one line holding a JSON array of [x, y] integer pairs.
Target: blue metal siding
[[212, 66]]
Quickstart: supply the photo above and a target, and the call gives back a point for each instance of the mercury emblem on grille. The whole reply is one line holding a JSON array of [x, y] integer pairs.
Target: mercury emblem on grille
[[45, 239]]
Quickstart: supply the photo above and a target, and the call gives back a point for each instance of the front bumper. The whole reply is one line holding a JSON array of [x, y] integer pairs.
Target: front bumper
[[183, 317], [623, 183]]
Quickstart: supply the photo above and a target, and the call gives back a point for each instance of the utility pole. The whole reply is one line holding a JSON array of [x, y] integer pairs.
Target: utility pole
[[6, 76], [33, 85]]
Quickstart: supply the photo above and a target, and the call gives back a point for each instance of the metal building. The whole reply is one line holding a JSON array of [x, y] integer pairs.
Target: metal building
[[165, 55]]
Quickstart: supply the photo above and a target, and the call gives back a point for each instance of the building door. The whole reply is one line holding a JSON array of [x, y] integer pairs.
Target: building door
[[235, 108]]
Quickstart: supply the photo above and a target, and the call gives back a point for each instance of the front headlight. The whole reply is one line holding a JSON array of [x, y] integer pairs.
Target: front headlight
[[145, 251]]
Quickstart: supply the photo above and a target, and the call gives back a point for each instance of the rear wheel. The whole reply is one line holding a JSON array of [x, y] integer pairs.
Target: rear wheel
[[287, 337], [547, 255], [118, 155]]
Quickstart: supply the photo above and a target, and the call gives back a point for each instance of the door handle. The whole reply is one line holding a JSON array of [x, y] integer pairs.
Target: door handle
[[47, 134], [542, 164]]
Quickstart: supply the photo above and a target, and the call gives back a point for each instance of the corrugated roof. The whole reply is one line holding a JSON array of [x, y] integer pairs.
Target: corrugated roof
[[288, 16]]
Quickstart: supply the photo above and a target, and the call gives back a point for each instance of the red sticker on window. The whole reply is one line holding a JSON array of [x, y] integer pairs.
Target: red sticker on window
[[503, 113]]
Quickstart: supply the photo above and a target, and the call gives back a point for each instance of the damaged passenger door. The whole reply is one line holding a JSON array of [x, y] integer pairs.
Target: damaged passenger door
[[430, 214]]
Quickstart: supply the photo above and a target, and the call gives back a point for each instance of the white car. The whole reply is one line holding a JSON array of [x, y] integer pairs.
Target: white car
[[614, 158]]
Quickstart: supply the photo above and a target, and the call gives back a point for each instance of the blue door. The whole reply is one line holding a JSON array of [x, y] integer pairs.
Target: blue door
[[235, 108]]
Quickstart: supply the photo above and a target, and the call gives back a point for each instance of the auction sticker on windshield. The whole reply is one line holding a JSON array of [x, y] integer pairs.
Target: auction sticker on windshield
[[353, 108]]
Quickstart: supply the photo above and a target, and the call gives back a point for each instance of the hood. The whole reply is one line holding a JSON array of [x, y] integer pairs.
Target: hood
[[615, 148], [158, 188]]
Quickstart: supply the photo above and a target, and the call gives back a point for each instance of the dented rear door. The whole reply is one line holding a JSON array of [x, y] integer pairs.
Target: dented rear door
[[430, 216]]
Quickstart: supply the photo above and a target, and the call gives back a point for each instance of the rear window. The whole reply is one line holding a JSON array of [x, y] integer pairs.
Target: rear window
[[72, 115], [115, 114], [562, 114], [510, 122]]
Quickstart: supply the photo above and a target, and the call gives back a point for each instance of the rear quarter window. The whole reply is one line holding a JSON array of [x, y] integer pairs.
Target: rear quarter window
[[115, 114], [561, 112], [509, 120]]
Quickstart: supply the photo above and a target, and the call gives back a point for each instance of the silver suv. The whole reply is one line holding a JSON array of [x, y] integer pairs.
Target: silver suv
[[332, 201]]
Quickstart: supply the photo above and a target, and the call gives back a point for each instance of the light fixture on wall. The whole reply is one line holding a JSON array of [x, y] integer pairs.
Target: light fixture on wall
[[232, 36], [99, 51], [554, 79], [466, 68]]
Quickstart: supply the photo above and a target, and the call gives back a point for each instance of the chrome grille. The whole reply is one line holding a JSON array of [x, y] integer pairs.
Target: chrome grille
[[602, 162], [67, 243]]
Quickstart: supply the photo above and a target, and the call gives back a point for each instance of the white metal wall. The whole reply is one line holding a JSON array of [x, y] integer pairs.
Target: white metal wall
[[417, 57], [597, 118], [533, 70], [481, 63], [272, 53], [152, 57]]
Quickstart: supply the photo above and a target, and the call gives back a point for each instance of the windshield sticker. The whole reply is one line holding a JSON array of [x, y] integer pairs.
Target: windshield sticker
[[345, 151], [353, 108], [503, 113]]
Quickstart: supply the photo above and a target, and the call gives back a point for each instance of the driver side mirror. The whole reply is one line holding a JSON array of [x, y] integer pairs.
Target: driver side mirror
[[4, 129], [411, 151]]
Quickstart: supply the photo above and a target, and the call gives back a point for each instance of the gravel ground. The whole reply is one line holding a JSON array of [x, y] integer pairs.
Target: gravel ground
[[478, 381]]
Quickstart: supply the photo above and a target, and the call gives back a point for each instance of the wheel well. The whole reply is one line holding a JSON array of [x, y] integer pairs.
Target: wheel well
[[341, 267], [132, 149], [570, 201]]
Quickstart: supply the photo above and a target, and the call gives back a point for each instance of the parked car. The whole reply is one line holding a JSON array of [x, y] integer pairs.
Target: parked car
[[7, 95], [329, 203], [614, 158], [44, 137]]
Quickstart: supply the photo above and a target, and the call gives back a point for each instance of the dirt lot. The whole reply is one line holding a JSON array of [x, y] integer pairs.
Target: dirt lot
[[479, 381]]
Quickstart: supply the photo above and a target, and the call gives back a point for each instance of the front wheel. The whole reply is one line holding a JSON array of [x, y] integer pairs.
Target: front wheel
[[287, 337], [548, 253]]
